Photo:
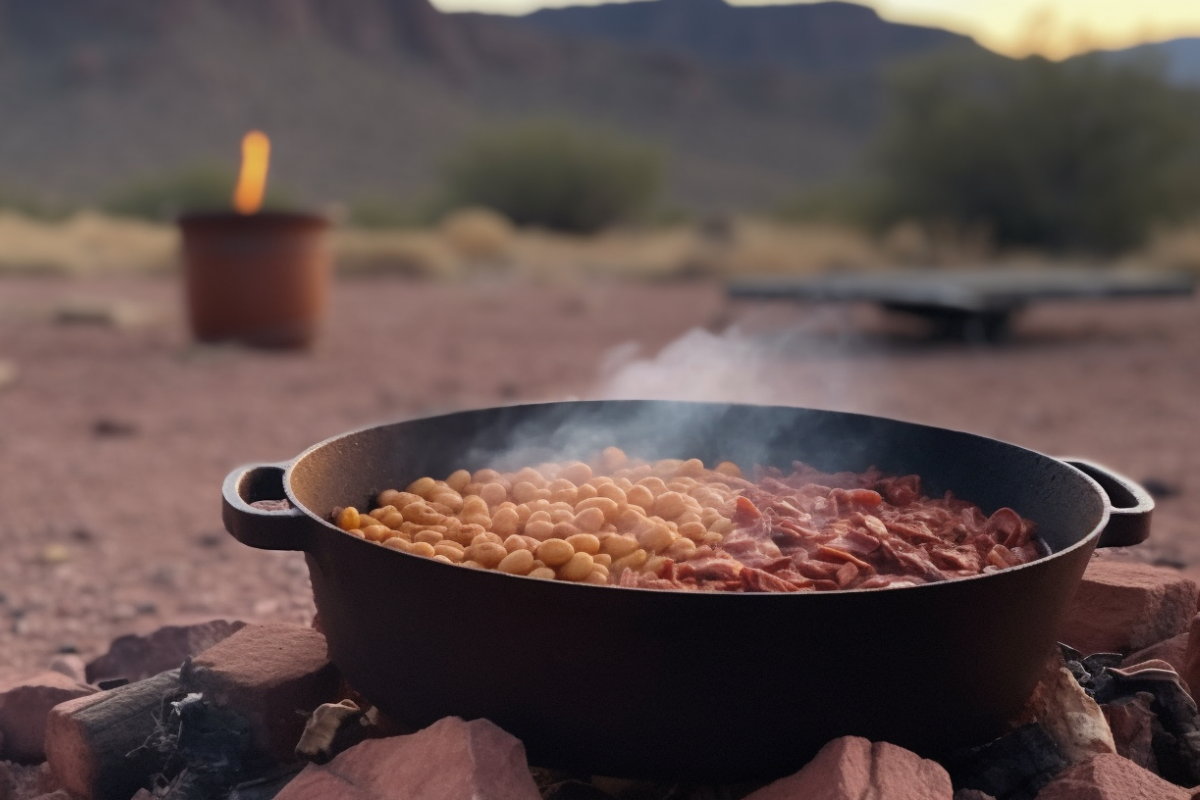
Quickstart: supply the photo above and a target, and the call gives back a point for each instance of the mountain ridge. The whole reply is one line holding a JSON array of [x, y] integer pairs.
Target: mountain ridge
[[362, 97], [812, 37]]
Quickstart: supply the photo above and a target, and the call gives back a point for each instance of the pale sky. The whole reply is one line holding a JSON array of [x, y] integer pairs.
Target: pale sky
[[1055, 28]]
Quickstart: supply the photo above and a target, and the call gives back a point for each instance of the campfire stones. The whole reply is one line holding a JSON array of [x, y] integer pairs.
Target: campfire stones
[[1125, 606], [138, 657], [268, 673], [1191, 657], [23, 710], [1068, 714], [1173, 651], [450, 760], [1132, 724], [1012, 768], [1110, 777], [1176, 723], [852, 767], [71, 665]]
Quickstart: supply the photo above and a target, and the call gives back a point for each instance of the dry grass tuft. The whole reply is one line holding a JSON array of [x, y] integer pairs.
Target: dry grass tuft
[[1177, 248], [87, 243], [476, 243]]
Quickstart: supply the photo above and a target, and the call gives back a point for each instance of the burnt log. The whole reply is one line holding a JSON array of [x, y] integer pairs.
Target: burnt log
[[94, 744]]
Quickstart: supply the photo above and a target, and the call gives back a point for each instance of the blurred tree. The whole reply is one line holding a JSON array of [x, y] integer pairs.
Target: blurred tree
[[383, 212], [1084, 155], [200, 187], [553, 174]]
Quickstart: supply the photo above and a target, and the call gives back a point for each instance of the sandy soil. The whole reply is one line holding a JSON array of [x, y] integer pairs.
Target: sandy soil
[[114, 440]]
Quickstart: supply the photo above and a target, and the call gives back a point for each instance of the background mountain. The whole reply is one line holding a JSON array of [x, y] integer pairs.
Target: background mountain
[[1179, 58], [362, 97], [818, 38]]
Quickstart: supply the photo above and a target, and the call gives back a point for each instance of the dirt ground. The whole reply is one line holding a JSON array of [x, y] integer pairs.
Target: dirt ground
[[114, 438]]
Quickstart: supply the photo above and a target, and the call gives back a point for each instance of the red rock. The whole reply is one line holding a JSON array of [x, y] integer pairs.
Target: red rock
[[70, 665], [56, 795], [1124, 606], [47, 781], [273, 675], [1110, 777], [139, 657], [853, 768], [1191, 657], [23, 710], [450, 760], [1173, 651], [1132, 723]]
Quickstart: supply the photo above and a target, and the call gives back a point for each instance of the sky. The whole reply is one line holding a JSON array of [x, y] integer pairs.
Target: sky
[[1055, 28]]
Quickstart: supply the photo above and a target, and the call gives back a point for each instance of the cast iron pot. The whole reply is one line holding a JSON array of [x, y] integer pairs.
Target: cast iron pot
[[645, 683]]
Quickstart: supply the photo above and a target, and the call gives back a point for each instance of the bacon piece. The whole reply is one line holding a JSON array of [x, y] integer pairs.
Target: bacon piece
[[709, 569], [856, 541], [914, 534], [846, 575], [816, 570], [901, 492], [917, 564], [958, 558], [750, 551], [745, 512], [778, 565], [787, 532], [1008, 528], [782, 508], [884, 581], [755, 580], [1000, 556], [833, 553], [862, 497]]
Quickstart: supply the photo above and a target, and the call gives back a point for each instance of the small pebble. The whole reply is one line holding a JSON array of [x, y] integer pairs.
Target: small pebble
[[8, 373], [55, 554]]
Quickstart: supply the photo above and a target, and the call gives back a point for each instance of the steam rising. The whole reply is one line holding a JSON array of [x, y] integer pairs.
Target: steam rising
[[735, 366], [732, 367]]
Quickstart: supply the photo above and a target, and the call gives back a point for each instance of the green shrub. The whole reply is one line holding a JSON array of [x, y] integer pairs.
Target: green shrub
[[200, 187], [1084, 155], [34, 206], [381, 213], [554, 175]]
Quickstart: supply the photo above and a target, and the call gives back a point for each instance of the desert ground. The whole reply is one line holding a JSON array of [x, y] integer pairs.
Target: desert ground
[[116, 430]]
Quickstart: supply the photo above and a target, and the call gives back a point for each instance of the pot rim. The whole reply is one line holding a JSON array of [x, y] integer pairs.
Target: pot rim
[[1088, 541]]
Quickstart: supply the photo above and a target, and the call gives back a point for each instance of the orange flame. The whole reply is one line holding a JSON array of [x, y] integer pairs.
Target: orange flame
[[252, 181]]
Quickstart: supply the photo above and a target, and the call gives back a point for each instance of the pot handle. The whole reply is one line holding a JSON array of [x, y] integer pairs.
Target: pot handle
[[286, 529], [1130, 506]]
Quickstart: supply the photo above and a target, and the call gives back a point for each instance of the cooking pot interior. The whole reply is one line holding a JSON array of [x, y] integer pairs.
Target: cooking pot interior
[[354, 468]]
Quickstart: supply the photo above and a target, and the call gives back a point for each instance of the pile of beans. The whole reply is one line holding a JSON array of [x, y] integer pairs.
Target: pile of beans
[[558, 521]]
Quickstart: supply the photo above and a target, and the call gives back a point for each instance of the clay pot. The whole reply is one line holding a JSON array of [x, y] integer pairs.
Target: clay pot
[[258, 279]]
